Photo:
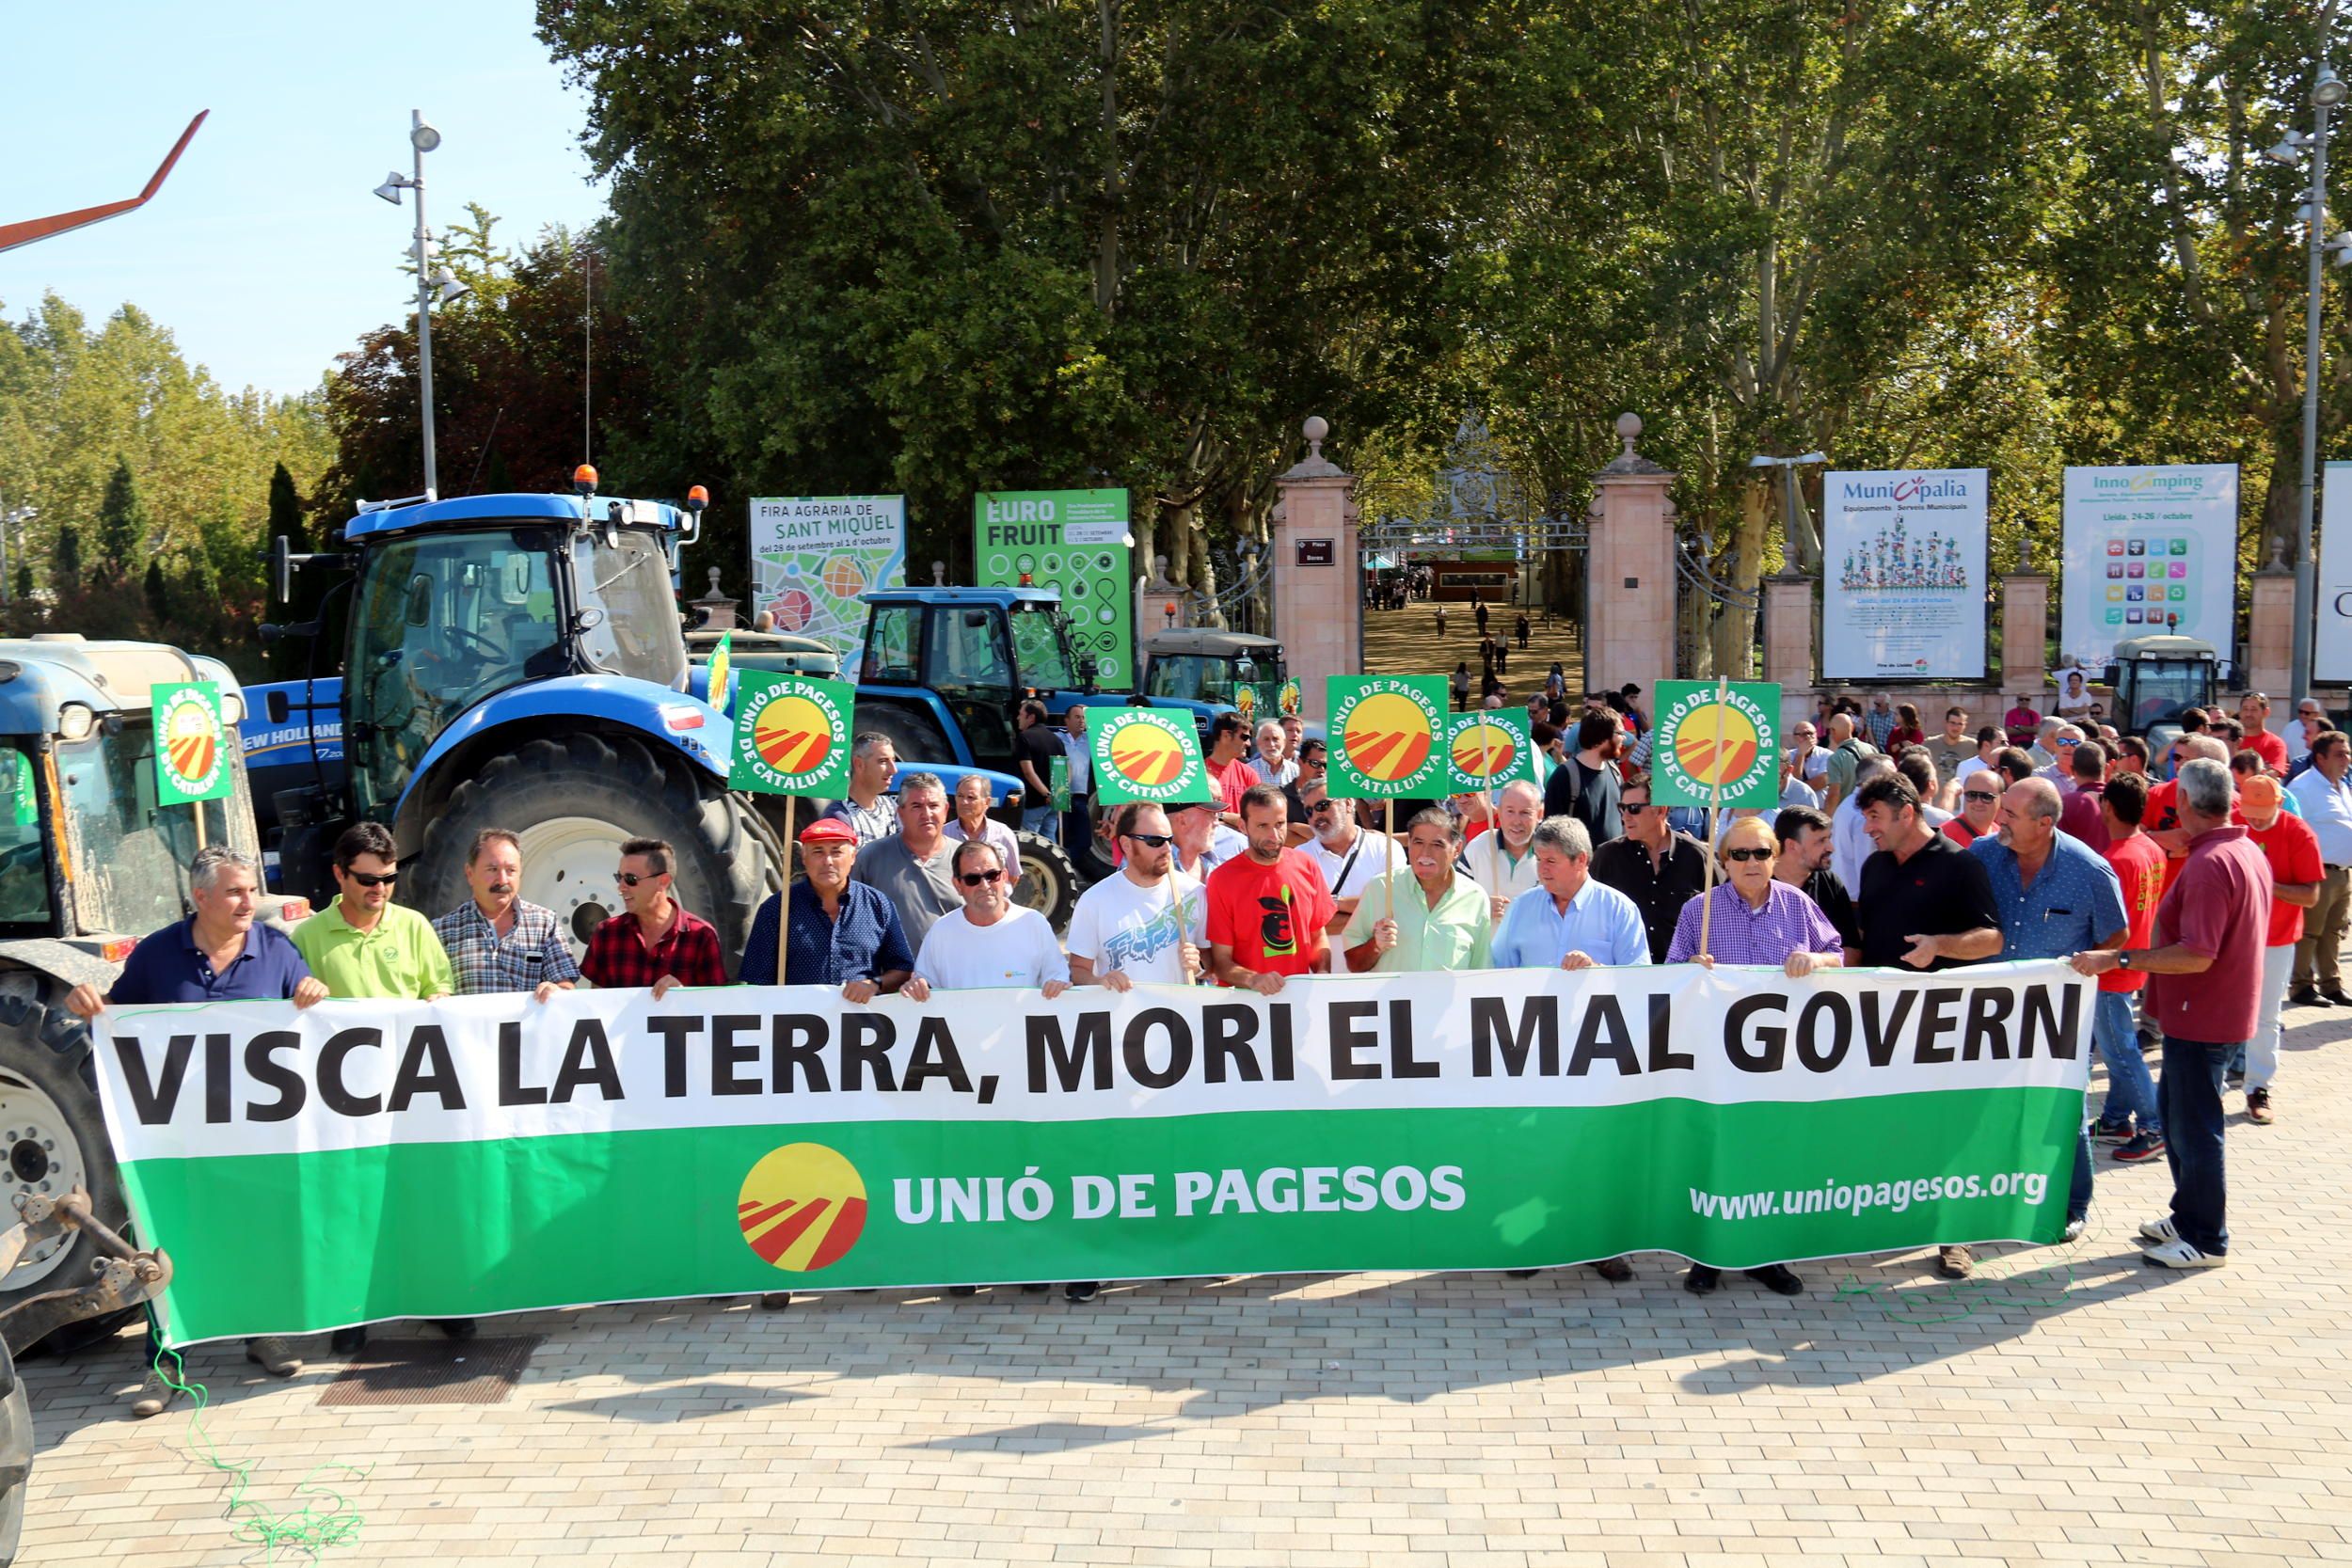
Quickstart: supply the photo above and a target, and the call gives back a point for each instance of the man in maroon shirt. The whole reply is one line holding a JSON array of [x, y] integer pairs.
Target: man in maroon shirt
[[2204, 991], [2080, 814], [653, 940]]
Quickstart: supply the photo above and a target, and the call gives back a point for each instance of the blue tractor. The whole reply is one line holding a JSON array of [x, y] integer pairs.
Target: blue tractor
[[518, 661], [89, 862]]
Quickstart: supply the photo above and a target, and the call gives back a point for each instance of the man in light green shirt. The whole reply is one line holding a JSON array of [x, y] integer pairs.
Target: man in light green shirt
[[364, 945], [1441, 918]]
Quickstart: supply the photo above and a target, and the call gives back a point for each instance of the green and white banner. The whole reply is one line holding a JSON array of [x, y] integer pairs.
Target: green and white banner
[[369, 1160]]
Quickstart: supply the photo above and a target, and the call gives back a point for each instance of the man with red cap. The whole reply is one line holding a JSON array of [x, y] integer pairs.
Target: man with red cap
[[844, 933]]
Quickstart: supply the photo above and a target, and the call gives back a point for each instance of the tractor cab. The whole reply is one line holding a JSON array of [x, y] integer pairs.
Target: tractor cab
[[2154, 678], [945, 670], [1205, 670]]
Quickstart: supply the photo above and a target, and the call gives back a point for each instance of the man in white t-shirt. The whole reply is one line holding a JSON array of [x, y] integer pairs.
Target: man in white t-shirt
[[1990, 740], [1148, 921], [1502, 860], [1349, 856], [991, 941]]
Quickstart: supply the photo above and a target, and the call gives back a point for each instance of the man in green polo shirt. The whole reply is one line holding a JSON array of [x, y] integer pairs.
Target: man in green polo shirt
[[362, 945], [1440, 918]]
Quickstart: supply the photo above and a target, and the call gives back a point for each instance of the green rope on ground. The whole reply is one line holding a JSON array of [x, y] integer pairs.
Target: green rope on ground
[[325, 1517], [1961, 1299]]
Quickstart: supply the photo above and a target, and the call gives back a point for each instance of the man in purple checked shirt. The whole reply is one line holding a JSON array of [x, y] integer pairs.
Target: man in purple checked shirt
[[1755, 919]]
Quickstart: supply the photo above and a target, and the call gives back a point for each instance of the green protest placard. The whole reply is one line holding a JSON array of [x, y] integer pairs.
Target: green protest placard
[[1486, 750], [1716, 735], [791, 734], [1145, 753], [191, 748], [1074, 542], [1293, 702], [1386, 734], [722, 659], [1057, 783]]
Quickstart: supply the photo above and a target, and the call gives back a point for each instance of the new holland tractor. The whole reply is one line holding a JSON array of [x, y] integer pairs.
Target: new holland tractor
[[518, 661]]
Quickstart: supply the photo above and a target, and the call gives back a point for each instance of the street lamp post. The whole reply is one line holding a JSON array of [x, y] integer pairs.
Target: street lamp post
[[424, 138], [2328, 91]]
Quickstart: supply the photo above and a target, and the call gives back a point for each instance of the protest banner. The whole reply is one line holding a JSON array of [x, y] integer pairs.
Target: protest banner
[[191, 746], [1076, 543], [1486, 750], [2148, 550], [1717, 751], [792, 738], [812, 556], [365, 1160], [1145, 753], [1904, 574]]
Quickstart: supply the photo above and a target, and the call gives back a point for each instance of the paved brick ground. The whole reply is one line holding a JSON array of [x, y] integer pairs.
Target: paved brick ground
[[2071, 1407]]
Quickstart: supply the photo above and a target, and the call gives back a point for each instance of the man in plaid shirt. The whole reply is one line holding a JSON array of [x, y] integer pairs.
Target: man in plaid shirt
[[495, 940], [652, 942]]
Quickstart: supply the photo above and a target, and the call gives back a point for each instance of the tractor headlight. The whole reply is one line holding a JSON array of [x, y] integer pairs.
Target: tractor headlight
[[76, 722], [232, 707]]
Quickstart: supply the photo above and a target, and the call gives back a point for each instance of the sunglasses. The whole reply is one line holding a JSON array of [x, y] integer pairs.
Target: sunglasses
[[1632, 808], [631, 878], [980, 878], [1747, 854], [1154, 841], [371, 878], [1977, 794]]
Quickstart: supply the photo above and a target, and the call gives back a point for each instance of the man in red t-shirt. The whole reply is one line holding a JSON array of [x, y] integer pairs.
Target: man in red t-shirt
[[1228, 764], [2295, 872], [1268, 908], [2130, 1117], [2254, 715], [2206, 994]]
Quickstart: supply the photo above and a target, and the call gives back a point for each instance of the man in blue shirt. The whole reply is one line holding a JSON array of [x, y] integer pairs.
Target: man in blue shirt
[[844, 933], [216, 955], [1568, 919], [1571, 921], [2058, 898]]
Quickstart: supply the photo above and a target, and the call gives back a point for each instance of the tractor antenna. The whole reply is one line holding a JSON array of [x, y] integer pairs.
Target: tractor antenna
[[587, 354]]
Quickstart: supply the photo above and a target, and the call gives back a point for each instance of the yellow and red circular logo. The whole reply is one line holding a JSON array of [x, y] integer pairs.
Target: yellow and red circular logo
[[190, 741], [1145, 748], [1485, 750], [1388, 737], [802, 1207], [1711, 759], [794, 735]]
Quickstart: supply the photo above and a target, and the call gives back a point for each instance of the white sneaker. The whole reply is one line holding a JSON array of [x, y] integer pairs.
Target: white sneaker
[[2160, 1231], [2180, 1255]]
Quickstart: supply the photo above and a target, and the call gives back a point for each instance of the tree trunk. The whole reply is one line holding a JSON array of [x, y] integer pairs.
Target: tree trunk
[[1735, 627]]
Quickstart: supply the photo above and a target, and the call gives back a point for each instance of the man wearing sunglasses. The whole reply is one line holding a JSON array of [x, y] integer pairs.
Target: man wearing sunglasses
[[1146, 922], [991, 941], [653, 940], [1980, 804], [362, 945]]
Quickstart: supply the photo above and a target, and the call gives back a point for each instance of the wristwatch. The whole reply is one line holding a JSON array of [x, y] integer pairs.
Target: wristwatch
[[2123, 959]]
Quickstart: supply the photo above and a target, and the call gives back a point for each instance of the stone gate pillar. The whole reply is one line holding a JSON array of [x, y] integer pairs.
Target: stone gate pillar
[[2269, 665], [1629, 627], [2025, 636], [1789, 642], [1318, 581]]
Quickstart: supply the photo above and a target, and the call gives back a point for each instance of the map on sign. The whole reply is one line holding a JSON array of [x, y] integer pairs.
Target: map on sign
[[191, 748], [1486, 750], [1717, 737], [791, 734], [1385, 736], [1145, 753]]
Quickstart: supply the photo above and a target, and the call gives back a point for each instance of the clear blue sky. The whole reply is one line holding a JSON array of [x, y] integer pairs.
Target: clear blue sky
[[264, 253]]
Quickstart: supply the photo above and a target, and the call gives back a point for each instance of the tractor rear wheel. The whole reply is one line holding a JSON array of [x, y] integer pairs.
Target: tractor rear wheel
[[52, 1140], [1049, 883], [573, 802]]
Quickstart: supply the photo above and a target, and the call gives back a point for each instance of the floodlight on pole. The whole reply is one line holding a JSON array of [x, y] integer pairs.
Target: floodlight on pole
[[2329, 91], [1800, 537], [393, 184], [424, 138], [420, 136]]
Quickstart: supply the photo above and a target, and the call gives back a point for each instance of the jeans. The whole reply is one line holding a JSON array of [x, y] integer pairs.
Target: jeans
[[2078, 1195], [2323, 932], [1039, 820], [2131, 1088], [2191, 1091], [2258, 1058]]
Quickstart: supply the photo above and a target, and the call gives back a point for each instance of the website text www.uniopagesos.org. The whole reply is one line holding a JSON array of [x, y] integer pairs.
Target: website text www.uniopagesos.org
[[1857, 1197]]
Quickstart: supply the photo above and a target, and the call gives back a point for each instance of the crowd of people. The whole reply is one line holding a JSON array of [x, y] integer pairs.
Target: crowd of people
[[2206, 889]]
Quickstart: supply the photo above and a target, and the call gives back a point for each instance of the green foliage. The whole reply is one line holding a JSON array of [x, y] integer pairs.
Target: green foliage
[[129, 453]]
